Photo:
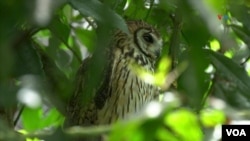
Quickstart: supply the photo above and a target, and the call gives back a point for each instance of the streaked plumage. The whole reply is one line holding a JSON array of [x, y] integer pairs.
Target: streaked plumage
[[122, 92]]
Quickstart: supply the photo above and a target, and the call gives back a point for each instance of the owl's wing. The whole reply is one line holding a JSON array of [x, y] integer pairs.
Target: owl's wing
[[75, 109], [86, 99]]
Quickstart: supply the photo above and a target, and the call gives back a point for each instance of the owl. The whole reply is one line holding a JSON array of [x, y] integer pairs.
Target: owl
[[121, 91]]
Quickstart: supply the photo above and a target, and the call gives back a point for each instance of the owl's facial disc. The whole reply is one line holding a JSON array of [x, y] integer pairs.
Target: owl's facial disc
[[148, 43]]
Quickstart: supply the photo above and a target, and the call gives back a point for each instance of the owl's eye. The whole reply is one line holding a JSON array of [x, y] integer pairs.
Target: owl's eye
[[148, 38]]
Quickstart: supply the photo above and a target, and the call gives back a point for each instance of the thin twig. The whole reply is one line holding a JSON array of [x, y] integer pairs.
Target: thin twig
[[75, 131], [18, 115], [207, 94], [173, 75], [174, 47], [150, 9]]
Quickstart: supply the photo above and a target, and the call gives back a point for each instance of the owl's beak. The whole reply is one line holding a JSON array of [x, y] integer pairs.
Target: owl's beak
[[157, 53]]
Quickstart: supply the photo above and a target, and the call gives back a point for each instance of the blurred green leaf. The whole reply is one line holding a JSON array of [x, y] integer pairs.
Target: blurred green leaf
[[65, 52], [241, 12], [86, 37], [27, 60], [99, 12], [118, 5], [57, 80], [129, 132], [232, 81], [32, 118], [52, 118], [185, 124], [37, 119], [194, 81], [60, 29], [212, 117], [242, 32], [17, 12], [149, 129], [165, 135], [136, 9]]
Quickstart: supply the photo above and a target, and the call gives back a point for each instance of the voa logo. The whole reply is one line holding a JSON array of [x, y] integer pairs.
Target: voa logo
[[236, 132]]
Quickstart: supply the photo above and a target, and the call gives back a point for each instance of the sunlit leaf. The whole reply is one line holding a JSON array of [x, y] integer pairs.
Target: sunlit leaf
[[129, 132], [52, 118], [211, 118], [30, 118], [185, 124], [164, 135], [214, 44], [37, 119]]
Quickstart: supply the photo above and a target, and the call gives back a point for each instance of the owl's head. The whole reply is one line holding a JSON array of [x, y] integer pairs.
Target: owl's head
[[143, 43], [146, 38]]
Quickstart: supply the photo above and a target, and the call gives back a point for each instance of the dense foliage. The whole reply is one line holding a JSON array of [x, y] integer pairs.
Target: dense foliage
[[203, 71]]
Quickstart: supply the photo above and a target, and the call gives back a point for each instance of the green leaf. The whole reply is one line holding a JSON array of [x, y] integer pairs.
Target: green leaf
[[27, 60], [99, 12], [194, 81], [129, 131], [36, 119], [60, 29], [165, 135], [185, 124], [31, 119], [136, 9], [233, 83], [118, 5], [242, 32], [86, 37], [52, 118], [212, 117], [240, 12]]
